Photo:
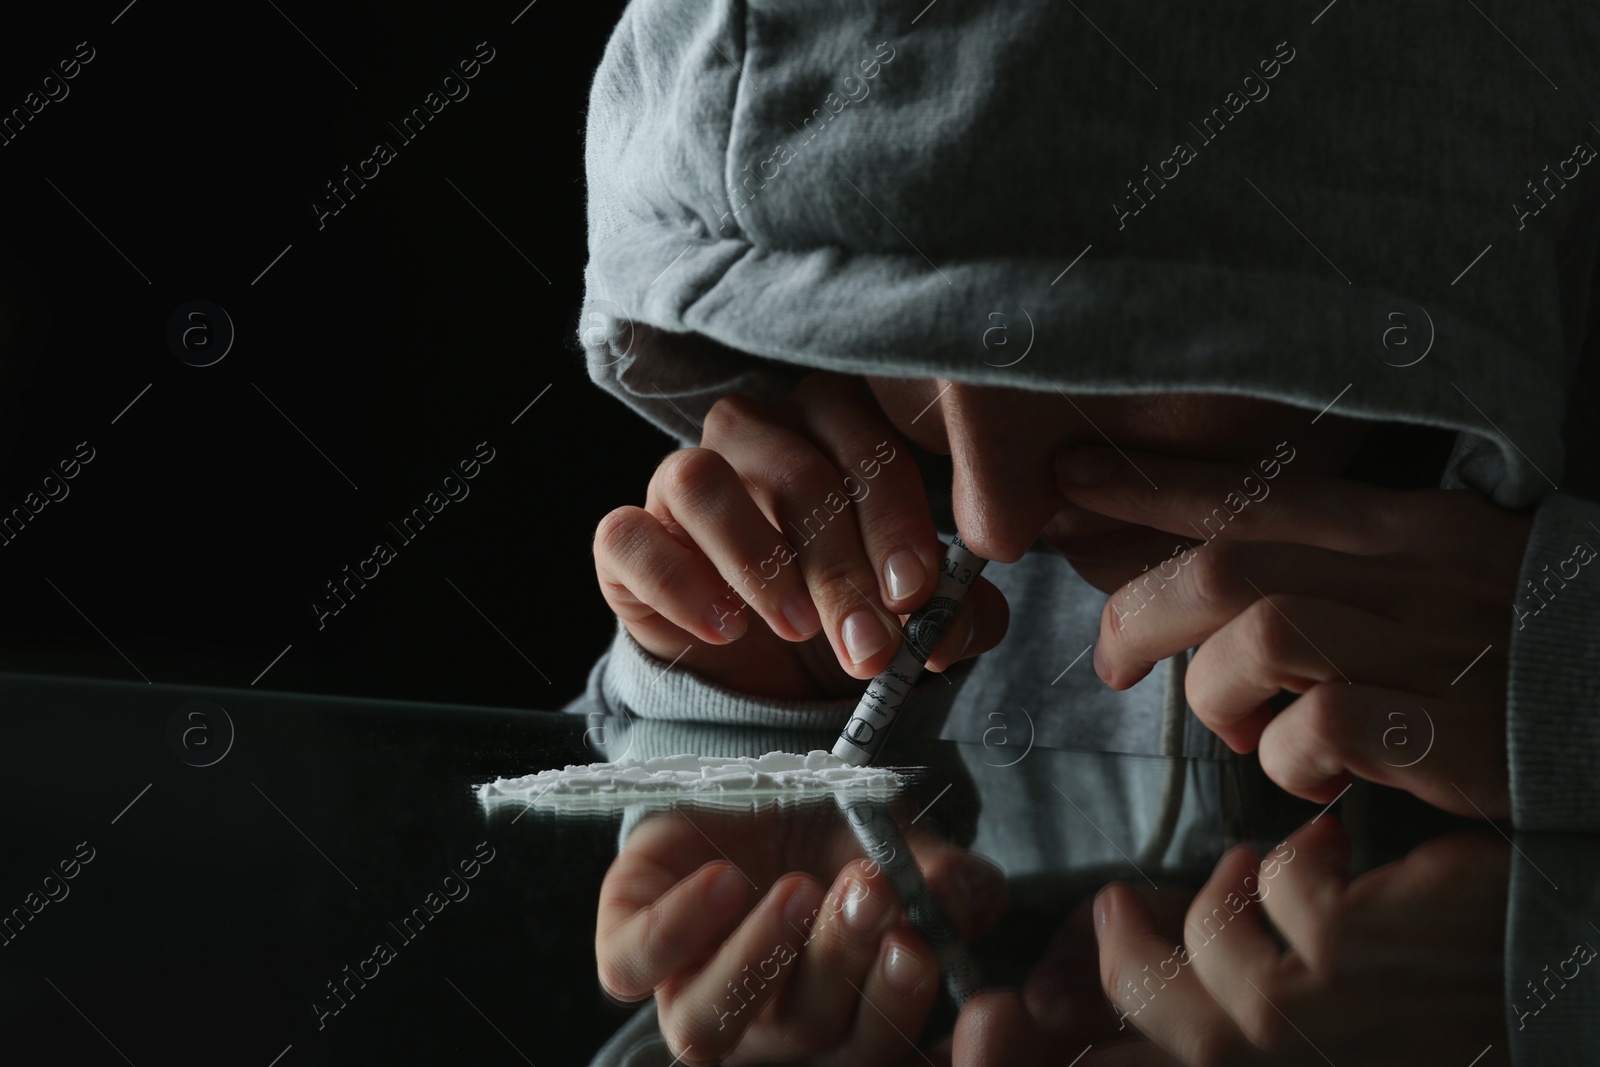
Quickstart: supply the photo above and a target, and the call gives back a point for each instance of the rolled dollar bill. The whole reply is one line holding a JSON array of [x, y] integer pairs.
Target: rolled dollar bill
[[869, 724], [875, 828]]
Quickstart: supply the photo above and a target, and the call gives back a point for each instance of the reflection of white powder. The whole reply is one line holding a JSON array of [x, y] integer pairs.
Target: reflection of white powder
[[775, 775]]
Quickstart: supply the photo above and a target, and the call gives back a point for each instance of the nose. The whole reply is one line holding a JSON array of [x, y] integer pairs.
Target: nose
[[1004, 488]]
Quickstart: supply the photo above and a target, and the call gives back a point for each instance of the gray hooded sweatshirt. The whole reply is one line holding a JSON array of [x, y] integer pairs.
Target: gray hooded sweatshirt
[[1388, 214]]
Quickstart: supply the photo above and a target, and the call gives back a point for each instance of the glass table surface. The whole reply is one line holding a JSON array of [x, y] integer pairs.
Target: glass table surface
[[271, 878]]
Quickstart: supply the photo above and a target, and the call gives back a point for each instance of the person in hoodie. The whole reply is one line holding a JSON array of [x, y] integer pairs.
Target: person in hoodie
[[1261, 350]]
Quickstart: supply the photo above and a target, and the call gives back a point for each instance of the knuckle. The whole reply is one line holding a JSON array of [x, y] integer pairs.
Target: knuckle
[[730, 413], [1268, 632], [796, 472], [862, 451], [1211, 578], [841, 585], [618, 532], [690, 475]]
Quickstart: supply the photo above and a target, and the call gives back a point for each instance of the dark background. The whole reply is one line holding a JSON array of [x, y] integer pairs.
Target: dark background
[[223, 896], [396, 338]]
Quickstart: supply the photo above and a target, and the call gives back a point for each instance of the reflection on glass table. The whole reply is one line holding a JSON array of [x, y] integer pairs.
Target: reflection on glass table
[[324, 885], [1237, 921]]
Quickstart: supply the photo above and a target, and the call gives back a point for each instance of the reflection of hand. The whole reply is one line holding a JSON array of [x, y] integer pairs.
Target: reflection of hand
[[794, 531], [778, 971], [1371, 602], [1401, 966], [1062, 1009]]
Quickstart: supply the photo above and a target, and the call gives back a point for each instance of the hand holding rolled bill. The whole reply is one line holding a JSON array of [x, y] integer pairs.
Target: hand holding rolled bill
[[869, 725]]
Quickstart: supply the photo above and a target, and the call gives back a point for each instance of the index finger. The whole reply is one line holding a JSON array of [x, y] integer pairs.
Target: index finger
[[651, 927], [1205, 498], [896, 521]]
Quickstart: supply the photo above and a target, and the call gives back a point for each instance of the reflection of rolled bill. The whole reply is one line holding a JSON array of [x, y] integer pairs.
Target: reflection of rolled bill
[[875, 827], [864, 734]]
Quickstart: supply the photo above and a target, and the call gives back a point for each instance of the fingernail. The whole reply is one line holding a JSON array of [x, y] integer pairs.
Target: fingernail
[[863, 635], [1100, 667], [902, 969], [904, 574], [1084, 466], [726, 892], [802, 907], [863, 909], [1102, 913], [726, 618], [801, 614]]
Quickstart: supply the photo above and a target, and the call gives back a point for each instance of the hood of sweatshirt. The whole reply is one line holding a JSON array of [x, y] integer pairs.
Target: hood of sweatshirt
[[1397, 222]]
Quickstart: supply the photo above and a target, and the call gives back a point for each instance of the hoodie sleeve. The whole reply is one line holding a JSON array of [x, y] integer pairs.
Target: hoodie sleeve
[[632, 679], [1553, 699], [1552, 1002]]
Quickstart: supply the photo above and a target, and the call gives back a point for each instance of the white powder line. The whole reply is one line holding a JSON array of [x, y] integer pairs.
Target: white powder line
[[527, 806], [662, 781]]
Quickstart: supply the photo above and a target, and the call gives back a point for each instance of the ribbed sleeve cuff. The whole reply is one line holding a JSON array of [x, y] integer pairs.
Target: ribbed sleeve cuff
[[1552, 999], [654, 689], [1553, 698]]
